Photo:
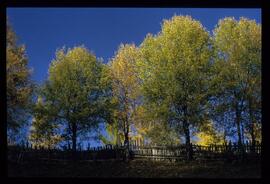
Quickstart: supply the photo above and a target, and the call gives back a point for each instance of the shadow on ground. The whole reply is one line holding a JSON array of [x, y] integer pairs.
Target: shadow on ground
[[136, 168]]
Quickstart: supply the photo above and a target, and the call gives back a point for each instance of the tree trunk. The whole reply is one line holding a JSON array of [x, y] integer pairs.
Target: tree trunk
[[251, 119], [126, 139], [237, 121], [126, 131], [126, 143], [243, 133], [225, 136], [187, 136], [238, 124], [225, 131], [74, 140], [118, 141]]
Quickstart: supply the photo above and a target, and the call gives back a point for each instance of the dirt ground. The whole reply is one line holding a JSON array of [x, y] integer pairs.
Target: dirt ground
[[136, 168]]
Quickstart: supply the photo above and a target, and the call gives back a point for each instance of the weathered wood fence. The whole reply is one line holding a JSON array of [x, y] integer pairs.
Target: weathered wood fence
[[211, 152], [19, 153], [171, 153]]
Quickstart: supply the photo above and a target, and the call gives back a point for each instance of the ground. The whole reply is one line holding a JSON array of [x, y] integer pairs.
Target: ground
[[136, 168]]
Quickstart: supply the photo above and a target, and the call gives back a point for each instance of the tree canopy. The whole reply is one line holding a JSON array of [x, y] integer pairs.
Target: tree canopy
[[19, 85], [182, 82], [74, 91], [238, 61]]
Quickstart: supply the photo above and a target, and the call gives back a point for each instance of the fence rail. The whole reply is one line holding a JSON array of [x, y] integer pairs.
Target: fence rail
[[179, 152], [226, 151]]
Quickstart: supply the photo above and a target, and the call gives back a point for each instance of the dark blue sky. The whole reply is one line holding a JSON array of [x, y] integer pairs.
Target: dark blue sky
[[43, 30]]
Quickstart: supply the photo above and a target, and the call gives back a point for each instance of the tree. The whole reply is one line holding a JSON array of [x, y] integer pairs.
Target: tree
[[19, 85], [251, 38], [220, 111], [257, 134], [163, 135], [125, 87], [151, 130], [113, 135], [44, 130], [238, 48], [175, 73], [74, 91], [208, 134]]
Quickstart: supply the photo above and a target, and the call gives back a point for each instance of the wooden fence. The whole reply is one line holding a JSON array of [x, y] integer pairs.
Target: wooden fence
[[172, 153], [18, 153], [211, 152]]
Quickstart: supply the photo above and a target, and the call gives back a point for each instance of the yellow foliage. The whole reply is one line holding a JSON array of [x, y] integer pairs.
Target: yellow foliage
[[209, 135]]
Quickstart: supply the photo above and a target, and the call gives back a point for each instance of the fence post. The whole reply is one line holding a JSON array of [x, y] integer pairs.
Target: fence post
[[27, 144]]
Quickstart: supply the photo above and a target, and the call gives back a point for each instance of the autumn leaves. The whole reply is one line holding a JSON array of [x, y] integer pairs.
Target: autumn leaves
[[177, 80]]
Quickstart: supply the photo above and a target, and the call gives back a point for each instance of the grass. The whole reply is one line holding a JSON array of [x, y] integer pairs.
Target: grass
[[136, 168]]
